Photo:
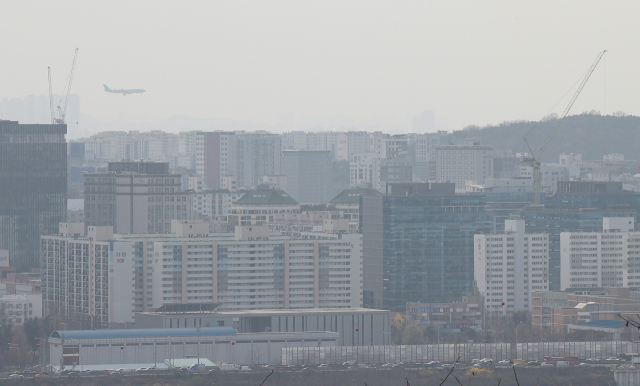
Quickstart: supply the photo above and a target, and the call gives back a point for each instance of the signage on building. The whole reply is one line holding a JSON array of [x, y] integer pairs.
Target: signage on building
[[4, 258]]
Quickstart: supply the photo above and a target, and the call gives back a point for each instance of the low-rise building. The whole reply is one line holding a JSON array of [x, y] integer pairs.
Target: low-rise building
[[257, 207], [17, 309], [148, 347], [449, 317], [355, 326], [577, 306]]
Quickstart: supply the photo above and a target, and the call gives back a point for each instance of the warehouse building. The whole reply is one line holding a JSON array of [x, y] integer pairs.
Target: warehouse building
[[122, 348], [355, 326]]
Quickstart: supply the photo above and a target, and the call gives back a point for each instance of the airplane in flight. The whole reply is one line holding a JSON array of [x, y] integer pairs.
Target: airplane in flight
[[123, 91]]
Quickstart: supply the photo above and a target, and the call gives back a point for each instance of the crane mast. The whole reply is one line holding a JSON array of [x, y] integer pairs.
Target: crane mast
[[62, 110], [535, 161], [53, 116]]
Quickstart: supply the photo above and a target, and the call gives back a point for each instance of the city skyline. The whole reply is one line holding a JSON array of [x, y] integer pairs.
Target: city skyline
[[349, 64]]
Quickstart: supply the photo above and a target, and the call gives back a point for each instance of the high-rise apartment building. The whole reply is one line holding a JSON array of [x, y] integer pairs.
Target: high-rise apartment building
[[509, 266], [458, 164], [258, 155], [422, 150], [215, 157], [418, 244], [610, 258], [107, 278], [136, 197], [309, 175], [33, 188]]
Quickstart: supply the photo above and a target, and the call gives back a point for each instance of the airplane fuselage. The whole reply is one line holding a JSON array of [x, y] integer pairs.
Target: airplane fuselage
[[123, 91]]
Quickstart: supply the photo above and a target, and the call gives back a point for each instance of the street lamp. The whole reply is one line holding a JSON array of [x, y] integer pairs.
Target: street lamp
[[40, 350], [11, 345]]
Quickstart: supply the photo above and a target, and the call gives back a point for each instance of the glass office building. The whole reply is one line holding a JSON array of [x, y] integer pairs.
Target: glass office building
[[418, 247], [33, 188]]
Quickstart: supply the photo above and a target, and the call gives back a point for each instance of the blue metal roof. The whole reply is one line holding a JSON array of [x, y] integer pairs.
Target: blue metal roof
[[143, 333], [606, 323]]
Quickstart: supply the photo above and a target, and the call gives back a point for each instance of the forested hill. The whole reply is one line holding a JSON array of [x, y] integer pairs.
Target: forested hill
[[588, 134]]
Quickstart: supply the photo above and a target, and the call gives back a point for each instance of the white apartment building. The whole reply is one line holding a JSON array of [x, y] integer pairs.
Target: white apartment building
[[458, 164], [213, 204], [601, 259], [17, 309], [337, 142], [508, 267], [110, 277], [154, 145], [365, 170]]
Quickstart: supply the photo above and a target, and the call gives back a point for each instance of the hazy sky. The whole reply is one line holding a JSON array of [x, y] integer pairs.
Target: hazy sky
[[473, 62]]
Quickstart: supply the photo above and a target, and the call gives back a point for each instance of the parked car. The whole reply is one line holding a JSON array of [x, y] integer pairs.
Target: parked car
[[16, 376], [592, 360], [583, 364], [504, 362], [535, 363], [447, 366], [323, 365], [245, 368], [546, 364]]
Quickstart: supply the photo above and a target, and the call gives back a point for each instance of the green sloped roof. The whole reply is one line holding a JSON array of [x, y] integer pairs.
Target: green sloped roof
[[266, 197], [352, 196]]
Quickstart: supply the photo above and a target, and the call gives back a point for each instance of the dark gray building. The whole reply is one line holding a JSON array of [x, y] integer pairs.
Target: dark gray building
[[309, 175], [418, 244], [33, 188]]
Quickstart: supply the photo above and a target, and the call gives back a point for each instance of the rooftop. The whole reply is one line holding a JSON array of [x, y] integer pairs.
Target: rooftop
[[266, 197], [281, 312], [352, 196], [142, 333], [606, 323]]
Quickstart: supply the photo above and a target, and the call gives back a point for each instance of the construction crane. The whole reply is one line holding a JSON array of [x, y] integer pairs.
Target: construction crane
[[535, 160], [53, 115], [62, 108]]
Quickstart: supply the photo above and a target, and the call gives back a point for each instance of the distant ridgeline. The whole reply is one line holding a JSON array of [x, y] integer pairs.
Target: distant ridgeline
[[589, 134]]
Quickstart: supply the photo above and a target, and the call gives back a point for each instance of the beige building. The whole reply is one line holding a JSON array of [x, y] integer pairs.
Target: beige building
[[136, 197]]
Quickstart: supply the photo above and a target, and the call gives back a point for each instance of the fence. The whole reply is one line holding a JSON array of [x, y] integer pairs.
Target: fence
[[448, 353]]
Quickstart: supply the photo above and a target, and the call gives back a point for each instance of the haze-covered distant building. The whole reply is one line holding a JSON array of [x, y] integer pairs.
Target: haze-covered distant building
[[33, 188], [309, 175], [460, 163], [136, 197]]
